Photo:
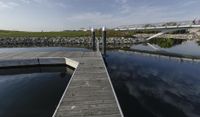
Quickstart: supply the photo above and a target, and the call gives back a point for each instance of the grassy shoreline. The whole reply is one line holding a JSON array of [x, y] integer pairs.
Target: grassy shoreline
[[110, 33]]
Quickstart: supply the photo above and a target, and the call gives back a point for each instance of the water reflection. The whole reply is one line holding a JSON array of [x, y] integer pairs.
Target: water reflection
[[153, 87], [166, 43], [198, 43], [41, 49], [32, 92], [175, 46]]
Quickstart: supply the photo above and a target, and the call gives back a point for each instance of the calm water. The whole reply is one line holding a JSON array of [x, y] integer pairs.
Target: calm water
[[183, 47], [41, 49], [32, 92], [153, 87], [146, 86]]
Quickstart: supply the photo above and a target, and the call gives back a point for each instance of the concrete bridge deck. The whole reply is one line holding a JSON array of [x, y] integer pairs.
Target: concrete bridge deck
[[89, 93], [158, 28]]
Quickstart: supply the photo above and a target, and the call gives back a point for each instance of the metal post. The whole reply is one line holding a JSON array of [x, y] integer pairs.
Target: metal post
[[104, 40], [93, 39]]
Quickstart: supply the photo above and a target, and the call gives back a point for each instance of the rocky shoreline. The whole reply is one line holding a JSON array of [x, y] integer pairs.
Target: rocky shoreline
[[77, 41], [58, 41]]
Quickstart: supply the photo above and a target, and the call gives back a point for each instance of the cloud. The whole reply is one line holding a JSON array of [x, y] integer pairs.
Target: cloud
[[5, 5], [34, 1], [189, 3], [123, 6], [85, 13], [121, 1], [47, 3], [26, 1], [134, 15], [62, 5], [90, 19]]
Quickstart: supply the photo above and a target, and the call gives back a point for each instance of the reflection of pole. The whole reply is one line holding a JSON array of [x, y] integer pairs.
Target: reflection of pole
[[104, 40], [93, 38], [97, 45]]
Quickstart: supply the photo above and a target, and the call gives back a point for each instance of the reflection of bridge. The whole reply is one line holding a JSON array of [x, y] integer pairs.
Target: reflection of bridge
[[163, 27], [166, 55]]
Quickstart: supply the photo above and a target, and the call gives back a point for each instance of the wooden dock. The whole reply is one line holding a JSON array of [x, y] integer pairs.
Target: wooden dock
[[89, 93]]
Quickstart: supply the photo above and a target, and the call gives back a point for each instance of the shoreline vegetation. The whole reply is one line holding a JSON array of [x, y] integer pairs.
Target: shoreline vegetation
[[72, 33]]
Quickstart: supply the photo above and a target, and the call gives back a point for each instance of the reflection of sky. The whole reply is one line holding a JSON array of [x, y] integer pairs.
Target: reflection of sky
[[186, 48], [168, 82], [42, 49], [143, 47]]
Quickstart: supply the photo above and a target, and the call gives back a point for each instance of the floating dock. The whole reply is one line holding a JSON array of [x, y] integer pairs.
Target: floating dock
[[89, 93]]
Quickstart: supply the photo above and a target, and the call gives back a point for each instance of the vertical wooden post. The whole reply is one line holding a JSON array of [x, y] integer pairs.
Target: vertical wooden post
[[104, 40], [93, 39]]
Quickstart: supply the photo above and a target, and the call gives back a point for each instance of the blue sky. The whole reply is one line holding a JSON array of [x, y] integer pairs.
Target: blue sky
[[55, 15]]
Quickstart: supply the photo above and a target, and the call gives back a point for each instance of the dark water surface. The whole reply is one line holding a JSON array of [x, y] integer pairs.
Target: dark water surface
[[146, 86], [152, 87], [32, 91]]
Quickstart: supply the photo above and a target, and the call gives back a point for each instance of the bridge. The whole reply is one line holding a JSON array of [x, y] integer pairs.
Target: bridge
[[164, 27]]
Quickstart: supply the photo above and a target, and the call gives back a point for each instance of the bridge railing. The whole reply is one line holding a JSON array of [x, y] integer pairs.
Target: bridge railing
[[157, 25]]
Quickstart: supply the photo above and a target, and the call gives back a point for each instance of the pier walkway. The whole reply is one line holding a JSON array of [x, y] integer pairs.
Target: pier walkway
[[89, 93]]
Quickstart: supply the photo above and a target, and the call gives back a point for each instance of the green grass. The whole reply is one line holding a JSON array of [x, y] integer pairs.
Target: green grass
[[110, 33], [43, 34]]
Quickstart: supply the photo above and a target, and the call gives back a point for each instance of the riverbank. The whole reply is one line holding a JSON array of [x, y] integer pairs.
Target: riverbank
[[112, 42], [115, 39], [61, 41]]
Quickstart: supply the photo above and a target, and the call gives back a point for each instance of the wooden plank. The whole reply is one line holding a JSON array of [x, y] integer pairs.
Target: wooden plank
[[86, 87]]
